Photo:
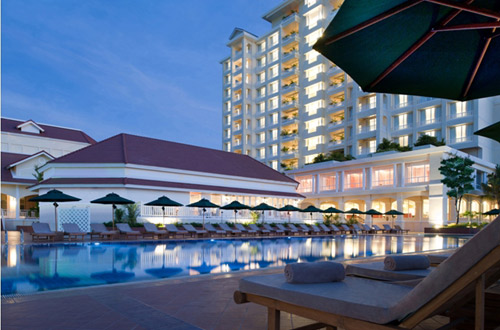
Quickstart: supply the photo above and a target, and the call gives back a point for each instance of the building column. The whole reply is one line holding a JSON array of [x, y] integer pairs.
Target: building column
[[395, 175], [419, 209], [438, 205], [364, 179], [369, 180], [18, 204], [341, 207], [317, 185], [402, 178], [399, 218], [341, 181], [368, 206]]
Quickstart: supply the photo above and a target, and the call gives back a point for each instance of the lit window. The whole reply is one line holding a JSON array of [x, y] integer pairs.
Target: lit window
[[403, 140], [273, 39], [274, 117], [428, 116], [401, 101], [273, 72], [261, 122], [313, 72], [372, 124], [372, 146], [227, 146], [261, 107], [273, 103], [328, 182], [273, 56], [261, 77], [311, 56], [460, 133], [313, 17], [274, 149], [305, 183], [312, 90], [261, 92], [274, 165], [353, 179], [311, 143], [383, 176], [458, 109], [312, 108], [416, 173], [261, 61], [310, 158], [261, 47], [309, 3], [401, 121], [313, 37], [312, 125], [273, 88], [274, 134]]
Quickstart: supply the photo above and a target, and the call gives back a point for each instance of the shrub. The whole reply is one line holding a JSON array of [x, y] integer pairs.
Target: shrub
[[387, 145], [427, 139]]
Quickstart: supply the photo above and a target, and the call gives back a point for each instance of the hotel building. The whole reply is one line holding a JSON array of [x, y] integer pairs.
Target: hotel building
[[284, 103]]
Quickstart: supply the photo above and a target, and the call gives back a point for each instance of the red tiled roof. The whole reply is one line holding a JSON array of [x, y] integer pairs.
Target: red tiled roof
[[54, 132], [166, 184], [11, 158], [139, 150]]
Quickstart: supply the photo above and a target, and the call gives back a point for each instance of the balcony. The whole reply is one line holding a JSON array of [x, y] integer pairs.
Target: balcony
[[367, 129], [287, 105], [289, 137], [237, 69], [289, 154], [290, 54], [335, 106], [366, 107], [459, 115], [238, 54], [237, 98], [335, 124], [461, 139], [334, 88], [336, 143], [289, 39], [429, 121], [293, 87], [290, 72], [401, 127], [289, 121], [289, 19], [334, 69]]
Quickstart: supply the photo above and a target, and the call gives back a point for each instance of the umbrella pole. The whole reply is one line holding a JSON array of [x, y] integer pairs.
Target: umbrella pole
[[235, 211], [163, 219], [203, 219], [113, 215], [55, 214], [263, 215], [288, 216]]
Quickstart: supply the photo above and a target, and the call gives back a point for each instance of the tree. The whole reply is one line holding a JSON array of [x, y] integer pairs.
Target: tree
[[492, 187], [427, 139], [387, 145], [38, 175], [132, 213], [457, 172]]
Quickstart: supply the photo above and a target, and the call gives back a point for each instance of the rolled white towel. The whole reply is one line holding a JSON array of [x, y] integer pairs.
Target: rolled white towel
[[314, 272], [406, 262]]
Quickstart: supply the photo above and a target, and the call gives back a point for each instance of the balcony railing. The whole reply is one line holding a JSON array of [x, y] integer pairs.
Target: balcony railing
[[383, 183], [461, 139], [289, 19], [460, 114], [365, 107], [417, 179], [367, 129], [429, 121], [401, 127]]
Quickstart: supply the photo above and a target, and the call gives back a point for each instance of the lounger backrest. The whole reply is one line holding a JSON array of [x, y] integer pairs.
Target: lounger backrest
[[376, 227], [268, 227], [253, 226], [306, 228], [240, 227], [453, 268], [171, 228], [335, 228], [315, 228], [124, 227], [387, 227], [398, 227], [71, 228], [41, 228], [346, 228], [356, 227], [150, 227], [225, 227], [366, 227], [189, 228], [281, 227], [292, 227], [98, 227], [209, 227]]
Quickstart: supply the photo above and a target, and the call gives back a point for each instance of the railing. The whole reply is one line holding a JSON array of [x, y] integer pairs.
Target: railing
[[289, 19], [331, 187], [367, 129], [417, 179], [336, 142], [429, 121], [402, 105], [22, 214], [335, 123], [365, 107], [460, 114], [461, 139], [400, 127], [289, 104], [383, 183]]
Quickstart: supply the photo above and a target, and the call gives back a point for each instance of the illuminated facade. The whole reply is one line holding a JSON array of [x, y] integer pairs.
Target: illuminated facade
[[284, 103]]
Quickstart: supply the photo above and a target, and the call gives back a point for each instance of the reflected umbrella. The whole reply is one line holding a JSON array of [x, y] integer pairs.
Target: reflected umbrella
[[163, 272], [53, 282], [114, 276], [55, 196], [204, 268], [112, 199]]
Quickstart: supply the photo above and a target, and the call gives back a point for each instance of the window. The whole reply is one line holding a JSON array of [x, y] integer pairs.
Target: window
[[403, 140], [273, 56], [313, 37], [248, 138], [305, 183], [312, 125], [458, 109], [261, 77], [273, 39], [313, 17], [261, 92], [274, 165], [309, 3], [227, 120], [383, 176], [372, 124], [261, 62], [401, 121], [328, 181], [248, 64], [428, 116], [313, 72], [273, 118], [261, 122], [261, 153], [310, 158], [274, 134], [311, 56], [227, 105], [353, 179], [416, 173], [273, 150], [261, 47], [227, 146], [460, 133], [312, 108], [372, 146], [313, 90], [227, 133], [273, 103], [311, 143], [400, 101], [372, 101], [273, 72]]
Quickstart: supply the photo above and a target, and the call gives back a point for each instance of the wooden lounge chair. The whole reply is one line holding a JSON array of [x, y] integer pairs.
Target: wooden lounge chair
[[214, 231], [367, 228], [346, 229], [272, 230], [337, 230], [195, 232], [316, 230], [358, 229], [325, 228], [41, 230], [262, 231], [72, 230], [401, 230], [305, 229], [377, 229], [245, 231], [152, 230], [388, 229], [125, 229], [357, 303], [100, 230], [229, 230], [174, 231], [288, 230]]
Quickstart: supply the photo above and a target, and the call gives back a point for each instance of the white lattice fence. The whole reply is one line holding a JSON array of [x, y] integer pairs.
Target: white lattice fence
[[80, 216]]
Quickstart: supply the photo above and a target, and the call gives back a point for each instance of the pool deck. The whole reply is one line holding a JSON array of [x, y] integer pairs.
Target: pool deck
[[202, 302]]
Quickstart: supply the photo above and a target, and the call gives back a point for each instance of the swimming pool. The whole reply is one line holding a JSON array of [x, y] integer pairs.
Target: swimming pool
[[42, 267]]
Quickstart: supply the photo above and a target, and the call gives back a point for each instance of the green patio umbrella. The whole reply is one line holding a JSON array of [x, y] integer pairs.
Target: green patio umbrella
[[492, 132], [263, 207], [311, 209], [492, 212], [204, 204], [54, 196], [235, 205], [289, 208], [354, 211], [163, 201], [393, 213], [112, 199], [373, 212], [331, 209], [445, 49]]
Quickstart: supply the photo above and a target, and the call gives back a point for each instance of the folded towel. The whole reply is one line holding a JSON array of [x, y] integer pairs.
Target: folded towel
[[314, 272], [406, 262]]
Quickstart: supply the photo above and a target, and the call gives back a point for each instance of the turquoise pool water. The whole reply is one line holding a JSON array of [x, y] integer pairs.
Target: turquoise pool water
[[42, 267]]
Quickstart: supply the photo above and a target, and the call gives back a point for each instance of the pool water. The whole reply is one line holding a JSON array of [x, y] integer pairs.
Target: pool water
[[42, 267]]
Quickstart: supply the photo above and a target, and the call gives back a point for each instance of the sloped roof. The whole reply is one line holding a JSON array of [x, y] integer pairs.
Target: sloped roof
[[54, 132], [9, 158], [139, 150], [237, 31]]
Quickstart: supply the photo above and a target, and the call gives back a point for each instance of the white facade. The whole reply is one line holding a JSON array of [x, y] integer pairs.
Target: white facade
[[409, 182], [284, 103]]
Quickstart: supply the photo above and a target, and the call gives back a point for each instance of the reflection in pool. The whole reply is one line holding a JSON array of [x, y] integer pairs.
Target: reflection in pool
[[41, 267]]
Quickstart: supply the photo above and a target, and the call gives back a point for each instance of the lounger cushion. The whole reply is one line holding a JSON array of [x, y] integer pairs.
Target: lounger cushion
[[375, 270], [358, 298], [438, 258]]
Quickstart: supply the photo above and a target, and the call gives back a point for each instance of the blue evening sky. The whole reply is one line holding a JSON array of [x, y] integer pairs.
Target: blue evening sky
[[142, 67]]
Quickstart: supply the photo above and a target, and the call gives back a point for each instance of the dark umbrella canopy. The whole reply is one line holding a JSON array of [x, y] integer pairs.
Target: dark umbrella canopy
[[373, 212], [445, 49], [235, 205], [163, 201], [311, 209], [263, 207], [492, 212], [289, 208], [354, 211], [112, 199], [332, 210], [54, 196], [393, 212], [492, 131], [204, 204]]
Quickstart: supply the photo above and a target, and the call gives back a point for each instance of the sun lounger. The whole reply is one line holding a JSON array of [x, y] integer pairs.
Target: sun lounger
[[358, 303], [316, 230], [376, 271], [151, 229], [174, 231], [294, 229], [195, 232], [325, 229], [305, 229], [100, 230], [72, 230], [262, 231], [229, 230], [367, 228], [246, 231], [401, 230], [358, 229], [275, 231], [287, 231], [388, 229], [377, 229], [346, 229], [41, 231], [336, 230], [214, 231], [125, 229]]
